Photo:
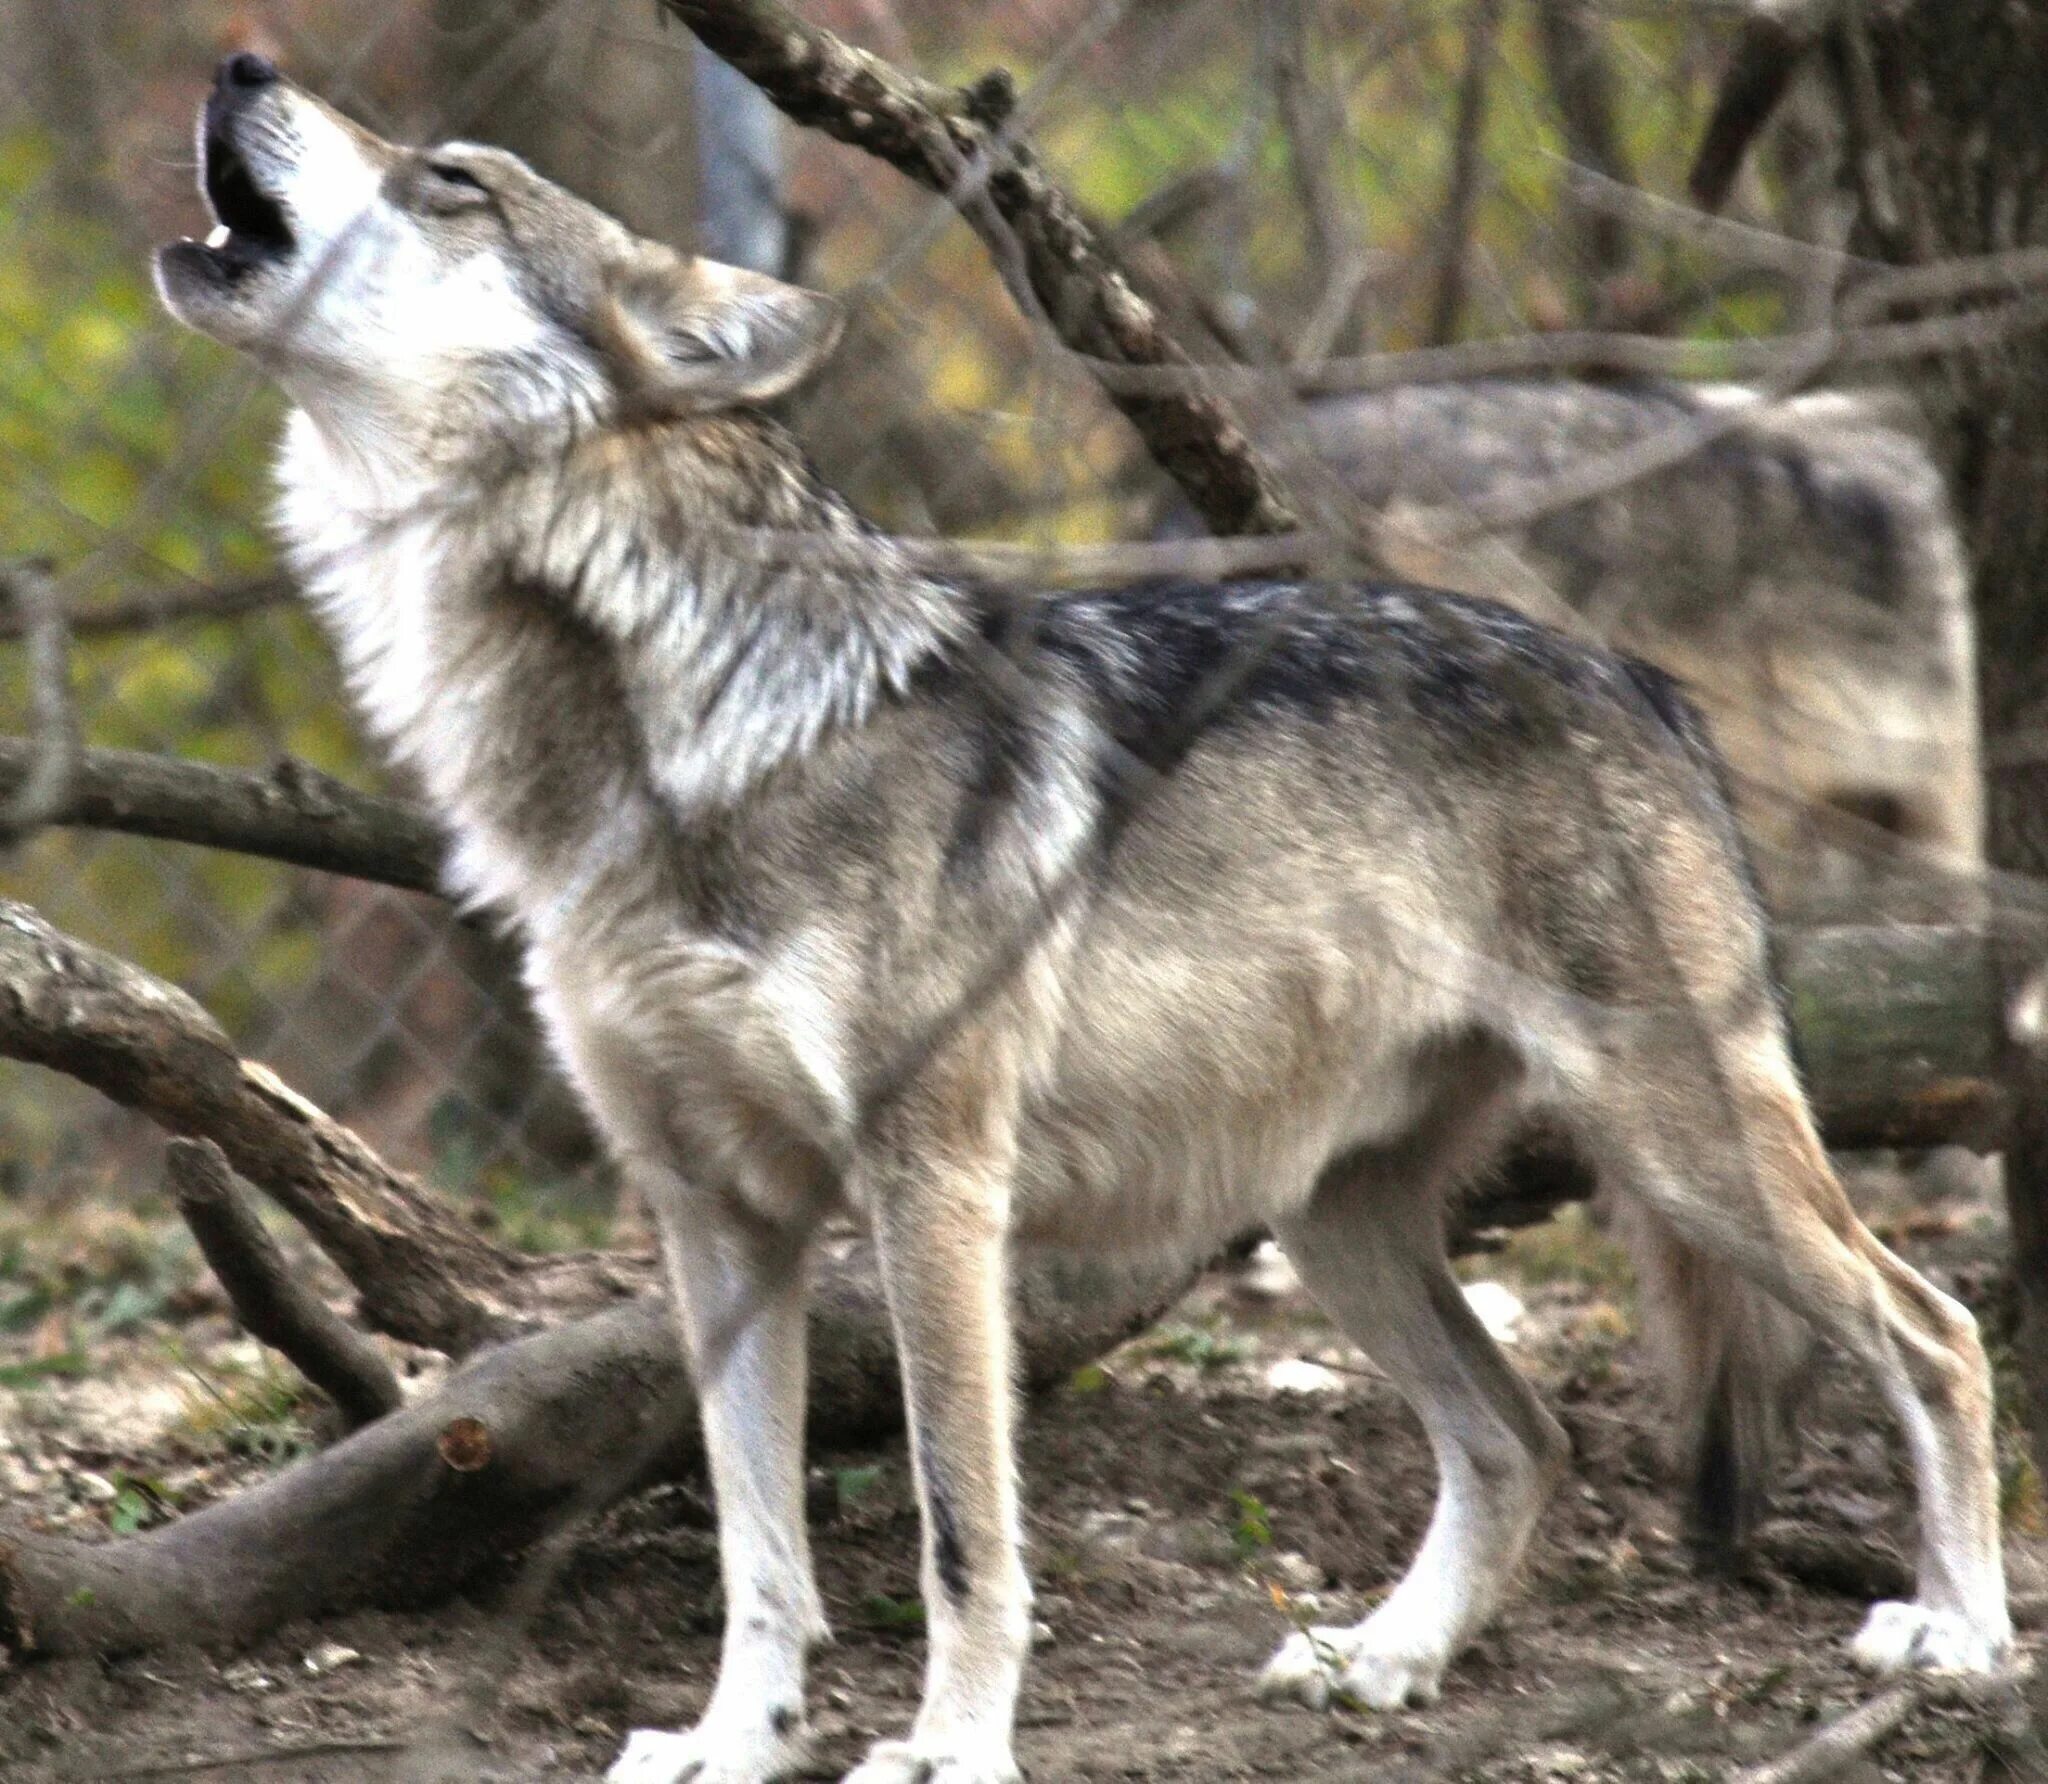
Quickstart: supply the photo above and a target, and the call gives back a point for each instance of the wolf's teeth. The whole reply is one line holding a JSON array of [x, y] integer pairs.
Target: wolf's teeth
[[219, 237]]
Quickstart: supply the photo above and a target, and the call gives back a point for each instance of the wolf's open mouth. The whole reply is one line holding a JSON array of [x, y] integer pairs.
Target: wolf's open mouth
[[253, 225]]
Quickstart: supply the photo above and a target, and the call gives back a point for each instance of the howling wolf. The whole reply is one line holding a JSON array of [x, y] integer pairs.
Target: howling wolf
[[1119, 918]]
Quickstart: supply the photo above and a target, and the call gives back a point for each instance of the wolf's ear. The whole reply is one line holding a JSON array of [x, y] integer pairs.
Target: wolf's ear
[[695, 335]]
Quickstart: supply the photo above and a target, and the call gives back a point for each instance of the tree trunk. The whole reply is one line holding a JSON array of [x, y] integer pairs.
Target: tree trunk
[[1964, 135]]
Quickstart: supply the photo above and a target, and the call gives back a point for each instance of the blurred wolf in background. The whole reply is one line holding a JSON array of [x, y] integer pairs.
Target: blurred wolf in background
[[1801, 572], [1116, 918]]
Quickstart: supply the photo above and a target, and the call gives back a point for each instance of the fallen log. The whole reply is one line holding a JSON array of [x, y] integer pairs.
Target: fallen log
[[423, 1272], [578, 1394], [410, 1508]]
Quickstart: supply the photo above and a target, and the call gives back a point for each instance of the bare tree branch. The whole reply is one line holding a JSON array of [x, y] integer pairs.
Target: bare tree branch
[[957, 143], [1311, 122], [1872, 152], [293, 813], [271, 1303], [1461, 198], [158, 607], [423, 1273], [1767, 57], [29, 595], [1582, 84]]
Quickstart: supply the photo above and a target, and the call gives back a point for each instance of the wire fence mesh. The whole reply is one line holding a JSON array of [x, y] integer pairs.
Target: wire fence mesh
[[1332, 185]]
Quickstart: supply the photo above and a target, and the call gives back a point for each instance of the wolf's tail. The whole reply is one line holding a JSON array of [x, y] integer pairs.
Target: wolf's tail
[[1731, 1357]]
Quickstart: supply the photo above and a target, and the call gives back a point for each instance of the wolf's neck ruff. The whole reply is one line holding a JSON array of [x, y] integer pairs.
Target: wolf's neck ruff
[[716, 609]]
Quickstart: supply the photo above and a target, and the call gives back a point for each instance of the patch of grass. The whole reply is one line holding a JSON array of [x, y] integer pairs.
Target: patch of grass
[[531, 1213], [1566, 1249], [67, 1364], [851, 1485], [106, 1271], [2021, 1500], [239, 1410], [1201, 1346], [880, 1611], [140, 1503], [1763, 1688]]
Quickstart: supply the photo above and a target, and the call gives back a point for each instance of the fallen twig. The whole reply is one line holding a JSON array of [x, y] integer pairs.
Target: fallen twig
[[1840, 1743], [222, 1762], [270, 1302], [423, 1272]]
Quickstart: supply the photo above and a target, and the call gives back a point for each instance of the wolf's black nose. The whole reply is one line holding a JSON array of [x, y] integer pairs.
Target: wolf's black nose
[[245, 69]]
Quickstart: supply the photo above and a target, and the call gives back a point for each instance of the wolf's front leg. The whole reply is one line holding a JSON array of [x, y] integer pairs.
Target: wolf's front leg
[[740, 1295], [938, 1196]]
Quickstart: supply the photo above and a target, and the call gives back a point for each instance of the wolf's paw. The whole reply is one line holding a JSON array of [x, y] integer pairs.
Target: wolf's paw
[[954, 1762], [1380, 1667], [1902, 1637], [758, 1753]]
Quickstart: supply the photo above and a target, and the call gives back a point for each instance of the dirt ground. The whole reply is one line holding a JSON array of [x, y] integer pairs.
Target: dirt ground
[[1237, 1471]]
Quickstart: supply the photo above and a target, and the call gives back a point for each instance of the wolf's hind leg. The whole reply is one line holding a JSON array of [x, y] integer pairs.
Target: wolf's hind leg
[[740, 1295], [1729, 1160], [1370, 1248]]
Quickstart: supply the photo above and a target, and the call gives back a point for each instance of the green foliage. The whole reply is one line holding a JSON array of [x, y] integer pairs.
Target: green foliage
[[1201, 1346], [98, 1273], [851, 1485], [1251, 1531], [257, 1411], [140, 1502], [880, 1611]]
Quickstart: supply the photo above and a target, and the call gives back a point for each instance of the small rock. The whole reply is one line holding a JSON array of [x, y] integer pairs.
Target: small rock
[[1267, 1275], [1296, 1375], [96, 1487], [246, 1675], [1110, 1533], [1499, 1308], [330, 1657], [1293, 1572], [1193, 1542]]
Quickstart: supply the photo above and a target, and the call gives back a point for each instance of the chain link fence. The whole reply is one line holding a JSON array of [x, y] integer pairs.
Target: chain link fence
[[1331, 182]]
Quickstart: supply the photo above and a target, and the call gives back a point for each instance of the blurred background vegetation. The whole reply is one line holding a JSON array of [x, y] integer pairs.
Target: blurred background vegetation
[[1296, 163]]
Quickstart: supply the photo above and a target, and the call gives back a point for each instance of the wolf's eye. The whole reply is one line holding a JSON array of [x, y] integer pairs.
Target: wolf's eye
[[454, 184]]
